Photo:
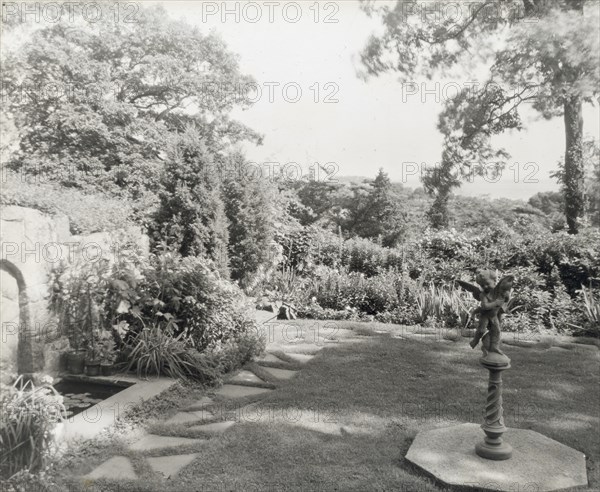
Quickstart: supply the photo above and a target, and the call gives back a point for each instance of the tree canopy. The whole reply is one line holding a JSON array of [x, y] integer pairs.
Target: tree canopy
[[541, 52], [96, 103]]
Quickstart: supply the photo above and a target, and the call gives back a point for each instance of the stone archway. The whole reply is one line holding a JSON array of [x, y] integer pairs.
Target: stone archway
[[17, 331]]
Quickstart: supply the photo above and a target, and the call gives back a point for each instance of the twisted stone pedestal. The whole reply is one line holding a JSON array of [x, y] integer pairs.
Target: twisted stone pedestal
[[492, 447], [538, 463]]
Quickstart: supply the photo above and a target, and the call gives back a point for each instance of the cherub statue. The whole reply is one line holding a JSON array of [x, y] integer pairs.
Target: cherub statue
[[494, 299]]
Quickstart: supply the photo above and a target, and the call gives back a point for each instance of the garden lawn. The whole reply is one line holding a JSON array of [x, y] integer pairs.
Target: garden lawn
[[347, 419]]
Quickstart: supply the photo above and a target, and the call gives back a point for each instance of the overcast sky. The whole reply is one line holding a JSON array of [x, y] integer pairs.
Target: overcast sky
[[365, 125]]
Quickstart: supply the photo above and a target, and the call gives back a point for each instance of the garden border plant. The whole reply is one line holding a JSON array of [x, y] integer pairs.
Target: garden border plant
[[549, 269], [28, 413], [167, 315]]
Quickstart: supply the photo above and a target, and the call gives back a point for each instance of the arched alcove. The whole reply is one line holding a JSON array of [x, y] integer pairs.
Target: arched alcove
[[23, 330]]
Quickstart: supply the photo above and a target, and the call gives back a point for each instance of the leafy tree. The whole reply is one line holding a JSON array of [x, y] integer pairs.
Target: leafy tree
[[591, 170], [191, 213], [593, 190], [550, 62], [439, 182], [549, 202], [96, 103], [375, 211], [248, 206], [326, 203]]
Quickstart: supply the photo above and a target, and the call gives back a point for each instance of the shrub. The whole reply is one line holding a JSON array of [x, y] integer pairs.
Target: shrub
[[449, 244], [263, 278], [356, 255], [88, 296], [238, 350], [338, 291], [187, 291], [27, 417], [223, 357], [542, 302], [310, 247], [576, 258], [314, 311], [355, 277], [129, 289], [25, 481], [87, 212], [406, 314], [298, 244]]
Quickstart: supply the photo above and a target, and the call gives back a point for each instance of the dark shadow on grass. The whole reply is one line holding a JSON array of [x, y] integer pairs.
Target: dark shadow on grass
[[427, 384], [347, 419]]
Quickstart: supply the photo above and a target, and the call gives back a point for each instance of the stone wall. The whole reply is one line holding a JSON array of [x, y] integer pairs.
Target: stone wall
[[31, 244], [9, 315]]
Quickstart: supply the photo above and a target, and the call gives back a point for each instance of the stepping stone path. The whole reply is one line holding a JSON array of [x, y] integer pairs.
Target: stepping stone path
[[152, 441], [302, 358], [268, 357], [233, 391], [214, 428], [200, 404], [280, 373], [245, 377], [118, 467], [244, 384], [170, 465]]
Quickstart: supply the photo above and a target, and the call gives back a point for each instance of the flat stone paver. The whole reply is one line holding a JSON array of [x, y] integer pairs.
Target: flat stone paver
[[254, 413], [116, 468], [280, 373], [269, 358], [359, 339], [153, 441], [171, 465], [302, 348], [237, 391], [188, 417], [89, 423], [302, 358], [538, 462], [215, 428], [245, 377], [203, 402]]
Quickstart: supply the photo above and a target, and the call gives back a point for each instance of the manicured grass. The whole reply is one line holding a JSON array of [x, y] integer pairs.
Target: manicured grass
[[347, 419]]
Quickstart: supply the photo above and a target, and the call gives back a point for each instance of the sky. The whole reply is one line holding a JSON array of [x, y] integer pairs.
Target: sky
[[313, 107], [327, 114]]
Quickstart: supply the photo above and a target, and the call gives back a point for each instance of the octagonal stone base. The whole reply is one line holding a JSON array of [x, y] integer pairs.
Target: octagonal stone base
[[538, 463]]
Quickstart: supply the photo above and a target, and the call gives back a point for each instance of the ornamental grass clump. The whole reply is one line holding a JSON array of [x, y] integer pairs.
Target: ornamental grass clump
[[591, 301], [156, 351], [28, 414], [443, 304]]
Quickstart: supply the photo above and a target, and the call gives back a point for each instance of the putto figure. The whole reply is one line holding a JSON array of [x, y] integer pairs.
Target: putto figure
[[494, 298]]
